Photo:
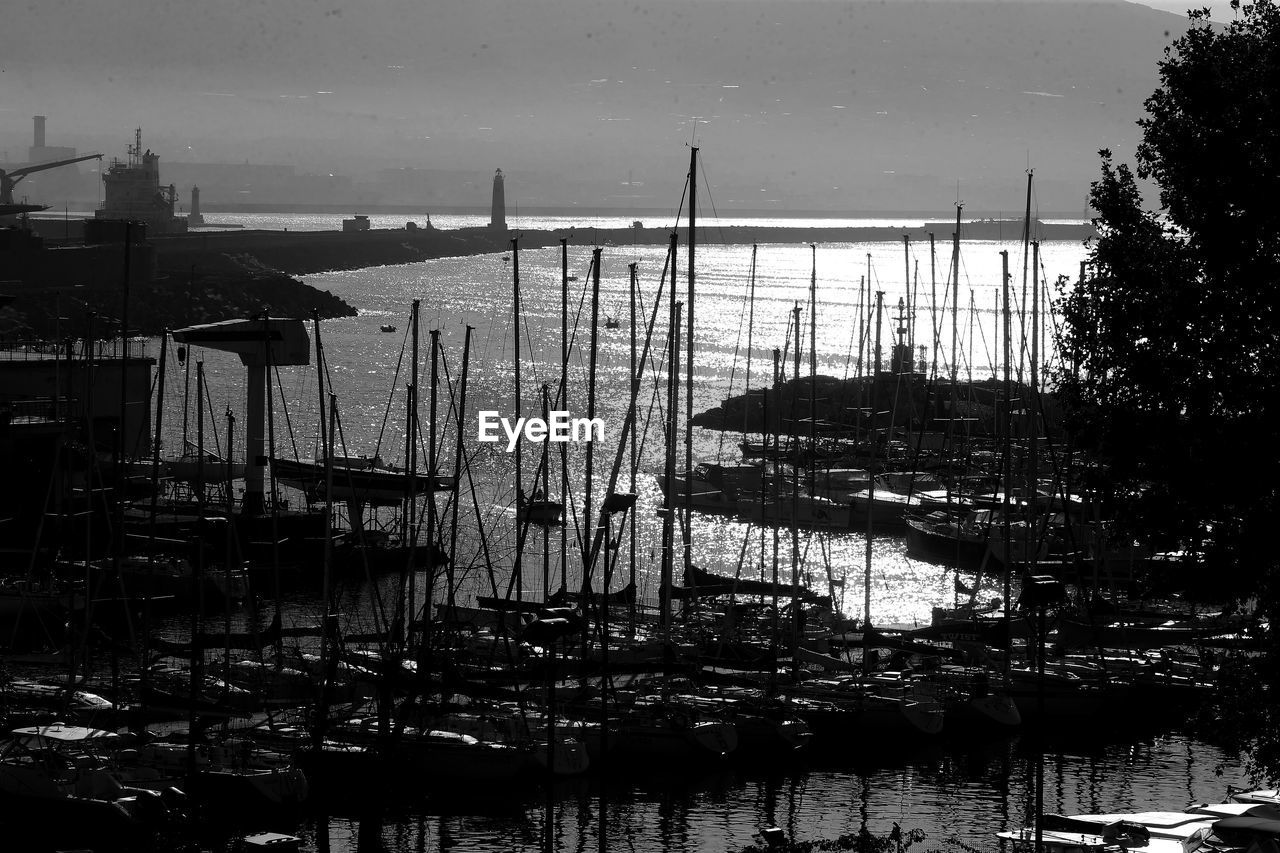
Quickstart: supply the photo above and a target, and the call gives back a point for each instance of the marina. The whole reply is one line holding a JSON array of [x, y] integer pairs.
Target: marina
[[638, 514], [906, 590]]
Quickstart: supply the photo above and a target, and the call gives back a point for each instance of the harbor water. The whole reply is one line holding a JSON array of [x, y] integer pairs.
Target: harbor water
[[952, 794], [947, 789]]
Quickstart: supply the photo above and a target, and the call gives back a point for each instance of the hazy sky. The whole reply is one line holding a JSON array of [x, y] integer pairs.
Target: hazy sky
[[1221, 8], [855, 103]]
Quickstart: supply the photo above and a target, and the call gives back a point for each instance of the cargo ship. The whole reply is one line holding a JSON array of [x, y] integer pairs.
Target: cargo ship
[[132, 191]]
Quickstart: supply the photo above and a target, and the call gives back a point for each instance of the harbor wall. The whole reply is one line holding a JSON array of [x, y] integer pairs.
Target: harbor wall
[[303, 252], [200, 277]]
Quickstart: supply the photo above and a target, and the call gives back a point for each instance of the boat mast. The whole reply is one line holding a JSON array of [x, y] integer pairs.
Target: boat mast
[[275, 494], [564, 404], [955, 298], [777, 503], [813, 365], [795, 504], [227, 559], [155, 445], [751, 324], [516, 579], [906, 287], [121, 480], [686, 528], [1033, 411], [1026, 253], [955, 345], [145, 645], [433, 464], [871, 481], [1007, 477], [933, 304], [973, 308], [409, 510], [544, 468], [458, 461], [633, 458], [324, 445], [587, 549], [196, 659], [669, 453]]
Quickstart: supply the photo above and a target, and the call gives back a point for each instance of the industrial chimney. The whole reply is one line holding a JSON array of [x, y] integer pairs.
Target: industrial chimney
[[39, 141], [498, 212]]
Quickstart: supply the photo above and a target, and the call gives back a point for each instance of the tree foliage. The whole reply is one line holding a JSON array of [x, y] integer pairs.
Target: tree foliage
[[1172, 343], [1173, 359]]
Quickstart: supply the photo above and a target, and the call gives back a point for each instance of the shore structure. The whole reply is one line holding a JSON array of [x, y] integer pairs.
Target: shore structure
[[498, 210]]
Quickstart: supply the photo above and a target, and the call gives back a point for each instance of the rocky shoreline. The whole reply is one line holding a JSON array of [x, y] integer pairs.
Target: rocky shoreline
[[79, 292]]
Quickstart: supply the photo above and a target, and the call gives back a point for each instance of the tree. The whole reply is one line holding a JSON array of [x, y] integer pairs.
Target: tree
[[1173, 343]]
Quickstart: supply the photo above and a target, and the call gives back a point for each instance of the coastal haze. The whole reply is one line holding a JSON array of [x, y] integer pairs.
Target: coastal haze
[[798, 105]]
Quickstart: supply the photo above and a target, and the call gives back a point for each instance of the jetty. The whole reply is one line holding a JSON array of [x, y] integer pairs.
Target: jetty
[[303, 252]]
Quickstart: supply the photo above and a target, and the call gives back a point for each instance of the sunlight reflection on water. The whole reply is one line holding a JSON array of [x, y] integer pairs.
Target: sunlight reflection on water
[[477, 291]]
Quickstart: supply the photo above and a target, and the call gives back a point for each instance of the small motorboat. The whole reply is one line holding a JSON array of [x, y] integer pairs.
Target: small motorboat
[[611, 322], [387, 327]]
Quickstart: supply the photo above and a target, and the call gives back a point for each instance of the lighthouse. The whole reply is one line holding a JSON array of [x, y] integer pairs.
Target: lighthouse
[[498, 212], [194, 217]]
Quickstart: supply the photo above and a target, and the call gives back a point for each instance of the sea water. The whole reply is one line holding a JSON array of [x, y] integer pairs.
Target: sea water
[[743, 310]]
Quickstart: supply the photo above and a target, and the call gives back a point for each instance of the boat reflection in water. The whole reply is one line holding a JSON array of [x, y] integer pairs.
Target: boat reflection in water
[[965, 792]]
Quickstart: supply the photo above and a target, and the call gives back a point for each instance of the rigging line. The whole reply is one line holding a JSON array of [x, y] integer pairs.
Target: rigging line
[[565, 357], [577, 319], [655, 398], [528, 341], [504, 325], [488, 338], [386, 412], [733, 370], [480, 518], [684, 193], [284, 407], [804, 557], [450, 419], [662, 354], [986, 348], [706, 182], [213, 425], [965, 357], [380, 610], [786, 341]]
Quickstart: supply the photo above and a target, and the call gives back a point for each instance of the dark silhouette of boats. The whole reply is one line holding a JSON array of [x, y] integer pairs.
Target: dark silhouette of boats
[[364, 480]]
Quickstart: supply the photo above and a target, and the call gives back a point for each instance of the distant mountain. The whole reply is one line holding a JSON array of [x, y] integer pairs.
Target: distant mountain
[[816, 104]]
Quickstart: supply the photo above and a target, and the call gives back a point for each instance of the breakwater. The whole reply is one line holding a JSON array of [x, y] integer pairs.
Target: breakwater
[[208, 276], [304, 252], [79, 291]]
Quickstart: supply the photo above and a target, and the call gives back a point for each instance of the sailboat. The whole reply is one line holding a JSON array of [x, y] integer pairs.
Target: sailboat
[[366, 480], [58, 789]]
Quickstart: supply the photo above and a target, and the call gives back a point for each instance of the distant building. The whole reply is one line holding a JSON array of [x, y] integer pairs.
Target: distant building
[[498, 211], [65, 184], [41, 153]]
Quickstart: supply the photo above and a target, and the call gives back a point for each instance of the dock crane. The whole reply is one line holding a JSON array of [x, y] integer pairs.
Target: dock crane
[[9, 179]]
